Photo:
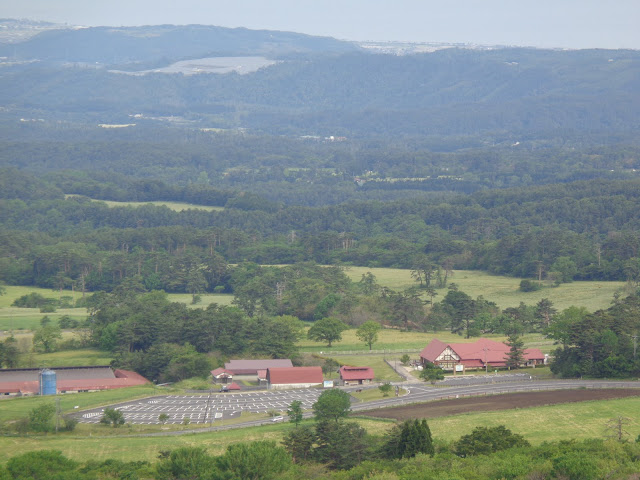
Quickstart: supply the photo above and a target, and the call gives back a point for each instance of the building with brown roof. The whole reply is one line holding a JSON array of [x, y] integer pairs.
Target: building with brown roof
[[25, 381], [483, 353], [294, 377], [248, 369], [356, 375]]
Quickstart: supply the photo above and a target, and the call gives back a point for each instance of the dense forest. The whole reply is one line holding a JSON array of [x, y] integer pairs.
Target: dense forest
[[521, 162]]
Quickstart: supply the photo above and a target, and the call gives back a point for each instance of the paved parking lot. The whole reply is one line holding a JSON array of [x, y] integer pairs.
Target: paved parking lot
[[205, 408]]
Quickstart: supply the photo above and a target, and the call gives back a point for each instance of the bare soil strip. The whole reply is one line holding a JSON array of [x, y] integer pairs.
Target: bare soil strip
[[445, 408]]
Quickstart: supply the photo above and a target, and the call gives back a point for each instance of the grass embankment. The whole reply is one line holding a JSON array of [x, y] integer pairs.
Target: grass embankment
[[538, 424]]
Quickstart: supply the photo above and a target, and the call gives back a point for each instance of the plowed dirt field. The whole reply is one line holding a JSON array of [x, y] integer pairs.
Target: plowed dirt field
[[444, 408]]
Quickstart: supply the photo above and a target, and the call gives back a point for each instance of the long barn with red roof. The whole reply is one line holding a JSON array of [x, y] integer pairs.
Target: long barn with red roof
[[483, 353], [25, 381]]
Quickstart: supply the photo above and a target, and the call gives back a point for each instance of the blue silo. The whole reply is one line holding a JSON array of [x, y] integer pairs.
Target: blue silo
[[48, 382]]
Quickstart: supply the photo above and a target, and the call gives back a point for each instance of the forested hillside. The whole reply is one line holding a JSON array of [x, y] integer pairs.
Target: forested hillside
[[515, 161], [317, 86]]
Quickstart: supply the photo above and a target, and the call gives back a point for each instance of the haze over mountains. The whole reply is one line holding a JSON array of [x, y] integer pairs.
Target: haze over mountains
[[315, 85]]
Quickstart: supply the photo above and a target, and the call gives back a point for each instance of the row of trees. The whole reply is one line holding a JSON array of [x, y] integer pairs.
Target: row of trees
[[486, 452]]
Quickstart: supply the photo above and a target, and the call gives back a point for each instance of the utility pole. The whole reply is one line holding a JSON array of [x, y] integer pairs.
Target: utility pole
[[57, 413], [486, 367], [635, 345]]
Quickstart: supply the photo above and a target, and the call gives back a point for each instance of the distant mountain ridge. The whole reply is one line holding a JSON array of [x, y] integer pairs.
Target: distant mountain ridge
[[121, 45], [317, 85]]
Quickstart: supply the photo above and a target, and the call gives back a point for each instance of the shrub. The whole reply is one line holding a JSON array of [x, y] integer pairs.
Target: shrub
[[529, 286]]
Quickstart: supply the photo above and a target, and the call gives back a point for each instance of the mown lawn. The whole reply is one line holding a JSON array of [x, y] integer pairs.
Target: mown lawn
[[550, 423], [383, 372]]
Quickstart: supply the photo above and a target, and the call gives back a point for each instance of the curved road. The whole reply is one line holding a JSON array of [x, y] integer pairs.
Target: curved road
[[422, 393]]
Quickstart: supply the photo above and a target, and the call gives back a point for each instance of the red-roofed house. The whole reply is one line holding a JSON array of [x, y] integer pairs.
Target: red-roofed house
[[482, 353], [221, 375], [294, 377], [356, 375]]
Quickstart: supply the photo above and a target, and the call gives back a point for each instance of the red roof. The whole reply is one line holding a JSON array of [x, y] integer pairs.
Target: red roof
[[122, 378], [233, 386], [477, 353], [356, 373], [280, 376], [432, 350], [221, 372]]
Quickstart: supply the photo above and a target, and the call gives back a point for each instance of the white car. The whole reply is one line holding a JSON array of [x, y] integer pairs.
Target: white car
[[278, 419]]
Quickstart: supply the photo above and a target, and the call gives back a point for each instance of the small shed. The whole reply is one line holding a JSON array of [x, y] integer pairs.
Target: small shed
[[356, 375], [221, 375]]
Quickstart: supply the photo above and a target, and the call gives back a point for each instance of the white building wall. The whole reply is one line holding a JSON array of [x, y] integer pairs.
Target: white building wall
[[285, 386]]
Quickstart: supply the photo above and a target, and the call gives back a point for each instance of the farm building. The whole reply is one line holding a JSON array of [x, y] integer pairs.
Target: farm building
[[27, 381], [356, 375], [221, 375], [483, 353], [294, 377], [250, 369]]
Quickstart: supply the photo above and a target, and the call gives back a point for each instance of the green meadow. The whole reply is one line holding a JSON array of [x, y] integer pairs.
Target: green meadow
[[504, 291], [206, 299], [570, 421], [549, 423], [13, 318]]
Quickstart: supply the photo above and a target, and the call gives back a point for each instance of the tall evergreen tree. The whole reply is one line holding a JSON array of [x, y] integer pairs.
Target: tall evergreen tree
[[515, 357]]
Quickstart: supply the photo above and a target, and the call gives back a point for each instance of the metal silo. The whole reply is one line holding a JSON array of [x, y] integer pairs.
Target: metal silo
[[48, 382]]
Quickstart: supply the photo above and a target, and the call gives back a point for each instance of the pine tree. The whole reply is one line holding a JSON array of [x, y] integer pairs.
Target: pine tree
[[408, 440], [515, 357]]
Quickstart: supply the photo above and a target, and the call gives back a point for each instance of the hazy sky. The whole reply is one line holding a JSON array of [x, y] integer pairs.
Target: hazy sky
[[539, 23]]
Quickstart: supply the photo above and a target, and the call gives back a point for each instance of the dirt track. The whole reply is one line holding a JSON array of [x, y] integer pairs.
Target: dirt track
[[443, 408]]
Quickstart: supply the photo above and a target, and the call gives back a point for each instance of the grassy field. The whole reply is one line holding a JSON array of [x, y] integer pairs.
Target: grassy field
[[13, 318], [550, 423], [206, 299], [504, 291], [66, 358], [13, 408], [383, 372], [575, 420], [389, 339], [176, 206]]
